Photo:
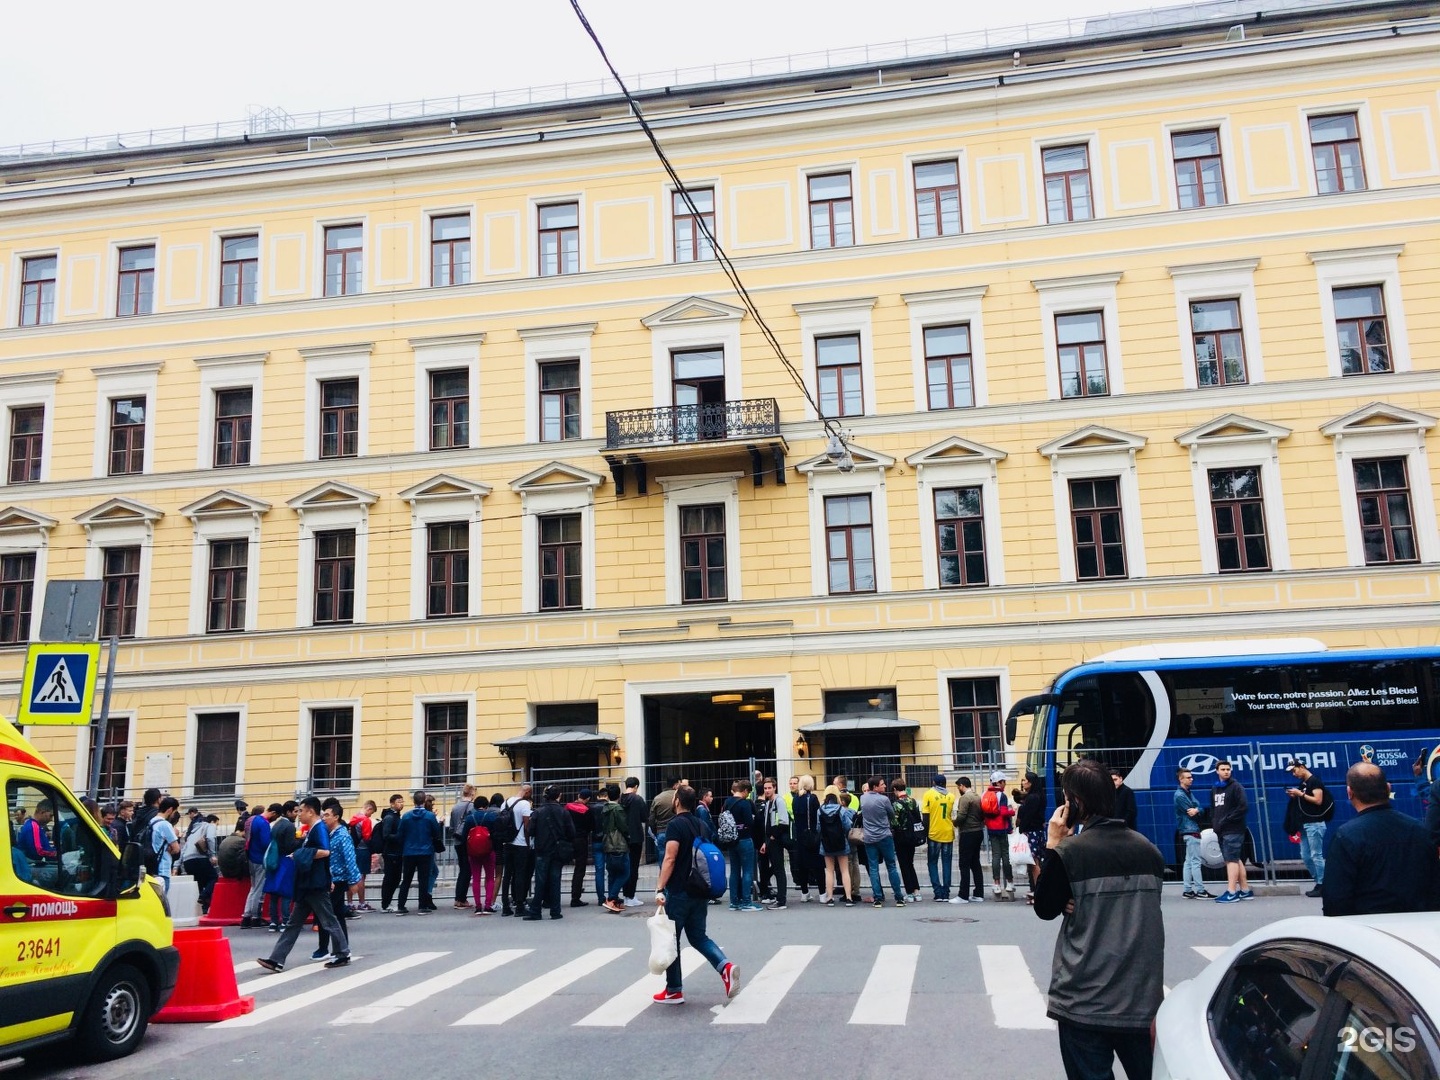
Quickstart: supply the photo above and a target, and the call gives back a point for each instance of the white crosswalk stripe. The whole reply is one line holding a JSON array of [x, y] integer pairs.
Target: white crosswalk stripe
[[535, 991], [635, 998], [886, 997], [1015, 997], [333, 989], [755, 1003], [412, 995], [280, 978], [1209, 952]]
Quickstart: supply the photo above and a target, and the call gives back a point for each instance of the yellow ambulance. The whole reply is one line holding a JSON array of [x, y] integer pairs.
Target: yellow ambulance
[[86, 948]]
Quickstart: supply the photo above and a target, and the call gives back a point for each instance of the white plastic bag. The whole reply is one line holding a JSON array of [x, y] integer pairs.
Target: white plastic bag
[[1210, 853], [663, 946], [1020, 850]]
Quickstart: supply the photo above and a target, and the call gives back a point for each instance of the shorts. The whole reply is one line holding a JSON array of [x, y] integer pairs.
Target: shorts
[[1231, 844]]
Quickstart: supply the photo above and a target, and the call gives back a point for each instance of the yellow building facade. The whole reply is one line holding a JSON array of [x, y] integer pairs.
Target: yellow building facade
[[428, 449]]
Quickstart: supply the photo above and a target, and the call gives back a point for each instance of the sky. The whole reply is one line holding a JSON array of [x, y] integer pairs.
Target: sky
[[97, 67]]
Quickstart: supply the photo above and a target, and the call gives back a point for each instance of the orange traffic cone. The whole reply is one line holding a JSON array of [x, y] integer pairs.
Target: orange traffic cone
[[206, 990], [227, 902]]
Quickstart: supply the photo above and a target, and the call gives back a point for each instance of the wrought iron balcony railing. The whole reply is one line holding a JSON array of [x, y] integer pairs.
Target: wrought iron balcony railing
[[676, 425]]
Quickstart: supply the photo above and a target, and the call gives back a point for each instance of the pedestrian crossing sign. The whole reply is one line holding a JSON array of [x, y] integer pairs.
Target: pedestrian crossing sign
[[59, 684]]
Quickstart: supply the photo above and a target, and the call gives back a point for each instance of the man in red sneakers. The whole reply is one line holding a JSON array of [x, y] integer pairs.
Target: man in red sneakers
[[686, 909]]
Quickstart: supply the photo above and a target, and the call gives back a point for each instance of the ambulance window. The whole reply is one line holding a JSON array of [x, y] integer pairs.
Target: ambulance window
[[53, 847]]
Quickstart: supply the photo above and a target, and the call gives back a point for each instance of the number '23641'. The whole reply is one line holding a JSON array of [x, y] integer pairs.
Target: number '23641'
[[1375, 1039]]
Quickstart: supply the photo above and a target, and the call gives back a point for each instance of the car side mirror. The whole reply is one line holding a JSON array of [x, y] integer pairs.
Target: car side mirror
[[129, 873]]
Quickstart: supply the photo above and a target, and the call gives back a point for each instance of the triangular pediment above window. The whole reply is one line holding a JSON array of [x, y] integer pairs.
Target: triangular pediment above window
[[119, 512], [692, 310], [956, 451], [332, 495], [864, 459], [224, 503], [18, 519], [1375, 418], [1232, 428], [444, 486], [1093, 439], [556, 476]]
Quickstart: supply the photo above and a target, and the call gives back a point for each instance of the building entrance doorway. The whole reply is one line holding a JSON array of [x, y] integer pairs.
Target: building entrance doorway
[[707, 736]]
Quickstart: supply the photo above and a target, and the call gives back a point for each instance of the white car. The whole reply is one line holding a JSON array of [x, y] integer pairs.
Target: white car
[[1351, 998]]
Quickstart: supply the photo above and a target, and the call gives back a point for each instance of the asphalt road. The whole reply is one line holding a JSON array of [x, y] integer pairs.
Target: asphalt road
[[872, 993]]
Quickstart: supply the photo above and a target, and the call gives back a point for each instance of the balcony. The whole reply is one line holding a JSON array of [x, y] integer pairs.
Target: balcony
[[639, 437]]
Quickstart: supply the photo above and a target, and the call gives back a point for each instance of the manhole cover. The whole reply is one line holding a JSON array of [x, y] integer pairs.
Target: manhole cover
[[947, 919]]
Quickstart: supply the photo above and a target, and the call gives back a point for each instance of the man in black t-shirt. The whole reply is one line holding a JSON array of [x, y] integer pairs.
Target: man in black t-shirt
[[686, 909], [1312, 808]]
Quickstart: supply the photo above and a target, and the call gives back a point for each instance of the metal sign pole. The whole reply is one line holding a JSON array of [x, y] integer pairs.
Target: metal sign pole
[[97, 752]]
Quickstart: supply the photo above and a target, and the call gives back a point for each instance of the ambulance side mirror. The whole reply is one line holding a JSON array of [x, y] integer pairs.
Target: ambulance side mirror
[[128, 873]]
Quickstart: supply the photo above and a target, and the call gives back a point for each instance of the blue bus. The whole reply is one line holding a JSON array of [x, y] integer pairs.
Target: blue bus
[[1259, 704]]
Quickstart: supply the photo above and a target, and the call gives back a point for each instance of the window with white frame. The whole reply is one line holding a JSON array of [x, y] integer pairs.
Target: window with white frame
[[224, 562], [839, 355], [126, 396], [332, 566], [1080, 322], [27, 402], [120, 535], [959, 502], [1239, 503], [702, 537], [1335, 152], [849, 524], [1097, 504], [217, 751], [231, 408], [337, 401], [331, 735], [1069, 191], [831, 207], [546, 420], [445, 525], [947, 348], [557, 503], [1219, 323], [447, 391], [1362, 311], [691, 338]]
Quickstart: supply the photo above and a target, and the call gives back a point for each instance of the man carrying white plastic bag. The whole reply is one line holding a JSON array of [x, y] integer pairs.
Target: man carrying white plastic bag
[[685, 908]]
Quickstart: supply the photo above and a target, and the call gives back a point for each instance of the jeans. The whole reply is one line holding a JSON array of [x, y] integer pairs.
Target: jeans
[[519, 866], [201, 869], [1312, 849], [256, 897], [617, 866], [1194, 880], [875, 850], [934, 853], [600, 860], [688, 914], [1000, 871], [637, 854], [316, 901], [412, 866], [742, 872], [337, 907], [969, 845], [547, 885], [1087, 1052], [462, 879]]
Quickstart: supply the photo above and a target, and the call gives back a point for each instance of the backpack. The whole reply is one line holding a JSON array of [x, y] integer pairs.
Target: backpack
[[727, 833], [272, 857], [478, 842], [233, 862], [149, 857], [707, 869], [614, 839], [990, 802], [832, 833], [357, 835], [504, 831]]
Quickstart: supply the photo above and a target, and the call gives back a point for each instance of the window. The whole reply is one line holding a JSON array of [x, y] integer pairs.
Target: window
[[239, 270], [1199, 177], [234, 415], [1387, 527], [1219, 342], [697, 384], [1238, 509], [1361, 331], [960, 536], [560, 401], [691, 244], [127, 436], [217, 752], [975, 719], [559, 239], [1097, 528], [339, 418], [136, 294], [850, 544], [114, 759], [448, 577], [37, 290], [832, 212], [937, 199], [344, 259], [837, 362], [702, 553], [27, 443], [335, 576], [1080, 343], [119, 592], [58, 847], [450, 250], [1335, 149], [561, 578], [17, 595], [449, 409], [332, 748], [228, 579], [1067, 184], [948, 379], [445, 743]]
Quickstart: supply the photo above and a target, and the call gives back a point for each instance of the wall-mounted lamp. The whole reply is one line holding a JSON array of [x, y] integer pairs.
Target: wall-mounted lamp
[[802, 747], [616, 757]]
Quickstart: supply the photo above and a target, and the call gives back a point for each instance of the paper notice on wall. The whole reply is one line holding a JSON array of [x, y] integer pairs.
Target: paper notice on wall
[[157, 770]]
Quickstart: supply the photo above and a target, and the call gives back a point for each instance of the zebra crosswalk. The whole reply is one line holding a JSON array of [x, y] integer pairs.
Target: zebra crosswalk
[[594, 989]]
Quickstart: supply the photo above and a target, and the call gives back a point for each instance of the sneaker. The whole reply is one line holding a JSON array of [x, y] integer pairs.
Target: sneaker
[[634, 901], [366, 906], [614, 906], [1188, 894], [579, 903], [915, 898], [339, 961], [805, 898], [1228, 897], [1204, 895], [669, 997], [849, 902], [752, 907], [730, 976], [460, 905], [322, 954], [354, 914], [899, 902], [769, 901], [829, 901], [958, 900], [425, 911], [274, 927], [388, 909], [406, 911], [1315, 892], [270, 965], [1245, 894], [939, 899], [780, 907], [878, 903]]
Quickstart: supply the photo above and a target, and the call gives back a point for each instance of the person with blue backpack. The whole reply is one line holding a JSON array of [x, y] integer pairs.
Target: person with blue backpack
[[687, 903]]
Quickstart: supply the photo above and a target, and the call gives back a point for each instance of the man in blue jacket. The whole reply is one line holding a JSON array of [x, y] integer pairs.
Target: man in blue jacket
[[1381, 860], [257, 839], [419, 833]]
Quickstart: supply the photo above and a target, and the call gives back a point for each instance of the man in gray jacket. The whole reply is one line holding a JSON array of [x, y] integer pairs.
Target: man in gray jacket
[[1107, 977]]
